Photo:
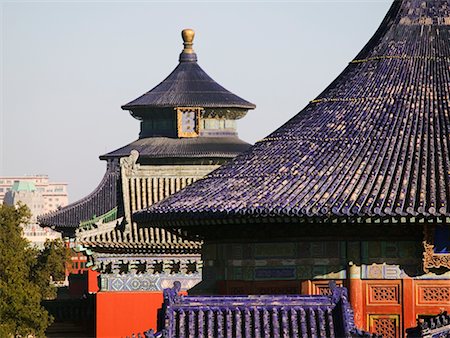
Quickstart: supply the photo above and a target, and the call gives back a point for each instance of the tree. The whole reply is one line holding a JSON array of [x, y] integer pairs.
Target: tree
[[25, 275], [20, 310], [51, 266]]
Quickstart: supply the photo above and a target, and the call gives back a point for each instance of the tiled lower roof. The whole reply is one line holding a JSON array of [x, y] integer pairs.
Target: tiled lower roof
[[196, 147], [375, 143], [106, 197]]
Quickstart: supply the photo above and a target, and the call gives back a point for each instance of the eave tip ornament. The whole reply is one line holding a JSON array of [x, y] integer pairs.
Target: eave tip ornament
[[188, 53]]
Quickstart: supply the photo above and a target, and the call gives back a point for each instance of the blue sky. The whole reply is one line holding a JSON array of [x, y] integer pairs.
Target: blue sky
[[68, 66]]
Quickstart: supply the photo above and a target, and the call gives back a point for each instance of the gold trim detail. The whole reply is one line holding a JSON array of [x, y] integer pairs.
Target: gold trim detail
[[432, 259], [196, 131], [188, 40]]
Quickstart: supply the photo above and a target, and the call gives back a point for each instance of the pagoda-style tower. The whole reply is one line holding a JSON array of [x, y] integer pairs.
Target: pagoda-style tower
[[188, 129], [355, 188]]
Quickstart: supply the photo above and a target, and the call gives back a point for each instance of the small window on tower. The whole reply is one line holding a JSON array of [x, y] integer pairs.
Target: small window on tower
[[230, 124], [212, 124]]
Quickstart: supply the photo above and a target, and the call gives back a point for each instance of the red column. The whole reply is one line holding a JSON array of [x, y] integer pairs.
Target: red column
[[408, 303], [356, 294]]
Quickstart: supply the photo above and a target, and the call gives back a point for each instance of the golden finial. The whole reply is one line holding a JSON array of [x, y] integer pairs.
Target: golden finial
[[188, 38]]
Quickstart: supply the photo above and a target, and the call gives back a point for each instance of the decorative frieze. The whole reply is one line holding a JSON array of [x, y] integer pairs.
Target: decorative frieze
[[264, 250], [148, 273], [145, 282], [149, 265], [382, 271], [275, 273]]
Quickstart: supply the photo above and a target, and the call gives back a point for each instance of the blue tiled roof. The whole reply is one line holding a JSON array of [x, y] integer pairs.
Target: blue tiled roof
[[437, 326], [189, 86], [104, 198], [375, 143], [257, 316], [196, 147]]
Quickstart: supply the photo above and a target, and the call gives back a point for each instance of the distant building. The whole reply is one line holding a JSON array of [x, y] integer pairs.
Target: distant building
[[40, 196], [54, 193], [38, 235]]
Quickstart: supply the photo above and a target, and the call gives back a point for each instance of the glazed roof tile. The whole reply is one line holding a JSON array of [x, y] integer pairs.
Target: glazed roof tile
[[375, 143], [196, 147]]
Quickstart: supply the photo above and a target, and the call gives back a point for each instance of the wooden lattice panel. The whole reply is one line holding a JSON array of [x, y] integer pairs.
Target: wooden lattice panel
[[384, 294], [322, 287], [433, 295], [385, 325]]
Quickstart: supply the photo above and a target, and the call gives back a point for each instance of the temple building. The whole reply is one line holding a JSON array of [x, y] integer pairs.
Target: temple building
[[353, 189], [187, 129]]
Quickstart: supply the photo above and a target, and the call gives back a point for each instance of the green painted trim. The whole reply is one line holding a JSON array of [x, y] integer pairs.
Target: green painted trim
[[105, 218]]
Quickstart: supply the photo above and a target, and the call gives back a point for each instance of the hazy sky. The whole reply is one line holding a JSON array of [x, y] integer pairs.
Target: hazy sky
[[68, 66]]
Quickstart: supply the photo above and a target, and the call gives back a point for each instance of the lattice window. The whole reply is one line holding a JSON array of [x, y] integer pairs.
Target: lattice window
[[384, 293], [436, 294], [387, 326], [322, 287]]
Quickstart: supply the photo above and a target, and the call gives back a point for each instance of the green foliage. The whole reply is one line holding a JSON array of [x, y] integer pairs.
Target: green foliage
[[50, 266], [25, 275]]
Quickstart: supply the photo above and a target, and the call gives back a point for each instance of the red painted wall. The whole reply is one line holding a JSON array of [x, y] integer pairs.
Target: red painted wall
[[92, 281], [120, 314]]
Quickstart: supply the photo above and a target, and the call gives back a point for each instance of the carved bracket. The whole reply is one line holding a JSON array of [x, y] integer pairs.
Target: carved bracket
[[431, 259], [129, 164]]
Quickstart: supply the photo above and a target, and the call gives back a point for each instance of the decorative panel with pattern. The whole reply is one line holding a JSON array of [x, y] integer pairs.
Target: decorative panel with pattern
[[386, 325], [322, 287], [386, 294], [433, 294]]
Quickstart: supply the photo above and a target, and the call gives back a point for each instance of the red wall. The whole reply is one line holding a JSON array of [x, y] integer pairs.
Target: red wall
[[92, 281], [120, 314]]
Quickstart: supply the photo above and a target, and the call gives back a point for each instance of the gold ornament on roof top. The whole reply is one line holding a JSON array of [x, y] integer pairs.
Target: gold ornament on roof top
[[188, 38]]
